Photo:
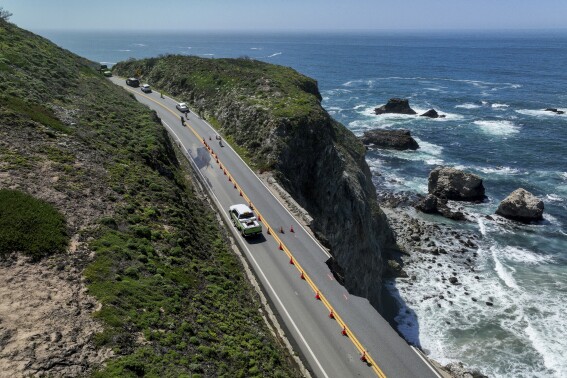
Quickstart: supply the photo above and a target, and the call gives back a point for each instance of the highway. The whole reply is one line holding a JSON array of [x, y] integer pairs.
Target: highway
[[290, 266]]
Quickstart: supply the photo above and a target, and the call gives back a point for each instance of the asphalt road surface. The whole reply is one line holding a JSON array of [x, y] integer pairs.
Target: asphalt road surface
[[317, 337]]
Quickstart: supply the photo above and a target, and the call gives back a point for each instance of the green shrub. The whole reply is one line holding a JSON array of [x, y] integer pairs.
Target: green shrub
[[30, 226]]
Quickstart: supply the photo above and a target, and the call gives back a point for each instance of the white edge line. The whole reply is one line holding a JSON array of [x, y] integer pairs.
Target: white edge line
[[251, 256], [425, 361], [272, 194]]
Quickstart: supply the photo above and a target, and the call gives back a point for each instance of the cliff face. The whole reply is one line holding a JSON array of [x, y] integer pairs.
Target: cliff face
[[275, 114]]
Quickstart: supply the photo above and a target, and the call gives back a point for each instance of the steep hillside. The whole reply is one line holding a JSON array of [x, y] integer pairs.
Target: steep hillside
[[147, 285], [275, 116]]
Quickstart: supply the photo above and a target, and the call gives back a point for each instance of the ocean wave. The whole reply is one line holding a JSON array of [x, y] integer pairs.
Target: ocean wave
[[554, 198], [468, 105], [504, 274], [500, 170], [256, 48], [499, 106], [139, 44], [525, 256], [274, 54], [502, 127], [124, 50], [564, 175], [492, 86]]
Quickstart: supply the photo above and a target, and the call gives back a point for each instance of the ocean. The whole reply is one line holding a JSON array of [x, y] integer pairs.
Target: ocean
[[493, 88]]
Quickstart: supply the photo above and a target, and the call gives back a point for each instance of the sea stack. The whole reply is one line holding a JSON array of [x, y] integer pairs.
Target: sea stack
[[521, 206], [454, 184], [396, 106], [390, 139]]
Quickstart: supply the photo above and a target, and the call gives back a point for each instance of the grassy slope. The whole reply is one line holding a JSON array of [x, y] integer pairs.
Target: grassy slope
[[175, 301]]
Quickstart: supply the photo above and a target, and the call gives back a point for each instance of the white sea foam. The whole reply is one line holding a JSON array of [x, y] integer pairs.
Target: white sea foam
[[500, 170], [503, 272], [524, 256], [274, 54], [256, 48], [502, 127], [499, 106], [124, 50], [139, 45], [554, 198], [481, 226], [468, 105], [359, 107]]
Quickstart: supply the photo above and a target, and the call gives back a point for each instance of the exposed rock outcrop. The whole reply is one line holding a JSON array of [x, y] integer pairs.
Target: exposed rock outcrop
[[397, 106], [432, 113], [521, 206], [431, 204], [390, 139], [454, 184], [316, 159]]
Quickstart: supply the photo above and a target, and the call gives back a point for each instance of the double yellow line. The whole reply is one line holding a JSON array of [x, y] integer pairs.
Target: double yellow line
[[365, 356]]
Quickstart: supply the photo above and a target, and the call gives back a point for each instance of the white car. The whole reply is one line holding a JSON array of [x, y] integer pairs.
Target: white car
[[182, 107], [244, 220], [146, 88]]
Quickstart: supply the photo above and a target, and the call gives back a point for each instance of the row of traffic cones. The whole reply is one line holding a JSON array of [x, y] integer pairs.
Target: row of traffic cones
[[344, 331]]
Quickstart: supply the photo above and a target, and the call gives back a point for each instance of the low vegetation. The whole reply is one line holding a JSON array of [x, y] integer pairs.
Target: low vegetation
[[30, 226], [175, 301]]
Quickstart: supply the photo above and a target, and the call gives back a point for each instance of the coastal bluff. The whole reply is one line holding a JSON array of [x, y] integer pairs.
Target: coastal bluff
[[274, 115]]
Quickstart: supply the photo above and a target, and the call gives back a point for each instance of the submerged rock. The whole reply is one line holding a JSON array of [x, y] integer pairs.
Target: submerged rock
[[521, 206], [390, 139], [396, 106], [432, 113], [454, 184]]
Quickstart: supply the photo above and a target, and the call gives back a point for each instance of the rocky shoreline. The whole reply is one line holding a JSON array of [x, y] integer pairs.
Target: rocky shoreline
[[435, 245]]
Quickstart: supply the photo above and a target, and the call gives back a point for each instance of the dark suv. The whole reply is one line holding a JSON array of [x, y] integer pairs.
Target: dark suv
[[133, 82]]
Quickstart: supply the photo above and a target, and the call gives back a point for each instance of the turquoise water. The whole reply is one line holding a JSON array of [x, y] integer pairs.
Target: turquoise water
[[494, 88]]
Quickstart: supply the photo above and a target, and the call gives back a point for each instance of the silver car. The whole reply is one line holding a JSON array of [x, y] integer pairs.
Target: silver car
[[146, 88], [182, 107]]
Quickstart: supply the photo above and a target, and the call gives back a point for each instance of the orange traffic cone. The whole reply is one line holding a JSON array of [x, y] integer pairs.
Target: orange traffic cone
[[291, 260], [229, 179], [363, 357], [302, 275], [281, 247], [331, 315], [241, 193], [317, 296], [343, 332], [220, 166], [291, 228], [281, 230], [269, 233], [234, 185], [224, 171], [259, 218], [251, 206]]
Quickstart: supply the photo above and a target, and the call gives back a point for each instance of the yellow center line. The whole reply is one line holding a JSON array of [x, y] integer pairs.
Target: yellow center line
[[273, 232]]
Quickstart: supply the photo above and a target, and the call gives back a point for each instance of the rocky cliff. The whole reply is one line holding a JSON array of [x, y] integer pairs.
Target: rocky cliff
[[275, 114]]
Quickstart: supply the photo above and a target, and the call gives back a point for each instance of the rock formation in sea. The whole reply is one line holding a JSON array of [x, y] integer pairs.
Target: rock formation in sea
[[432, 113], [431, 204], [397, 106], [454, 184], [521, 206], [390, 139], [555, 110]]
